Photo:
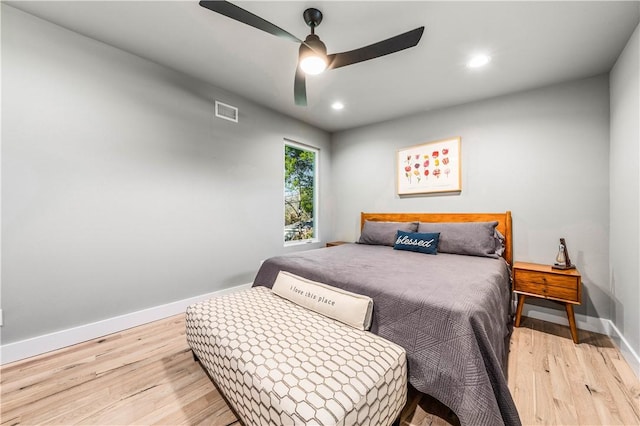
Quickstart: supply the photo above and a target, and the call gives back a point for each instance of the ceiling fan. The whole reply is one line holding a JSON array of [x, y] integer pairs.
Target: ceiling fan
[[312, 56]]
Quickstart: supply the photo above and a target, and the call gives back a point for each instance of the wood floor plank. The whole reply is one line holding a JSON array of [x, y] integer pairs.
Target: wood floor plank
[[78, 381], [208, 409], [543, 406], [40, 374], [584, 409], [565, 411], [147, 375], [617, 409], [521, 362], [128, 388], [65, 358]]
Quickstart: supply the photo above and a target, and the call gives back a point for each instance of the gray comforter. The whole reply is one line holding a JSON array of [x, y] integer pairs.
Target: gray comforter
[[449, 312]]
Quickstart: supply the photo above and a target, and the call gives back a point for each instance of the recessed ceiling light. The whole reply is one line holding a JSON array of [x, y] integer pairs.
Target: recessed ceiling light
[[478, 61], [337, 105]]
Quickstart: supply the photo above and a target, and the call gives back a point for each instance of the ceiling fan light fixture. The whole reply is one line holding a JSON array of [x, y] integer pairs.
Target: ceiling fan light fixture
[[313, 55], [313, 65], [478, 61]]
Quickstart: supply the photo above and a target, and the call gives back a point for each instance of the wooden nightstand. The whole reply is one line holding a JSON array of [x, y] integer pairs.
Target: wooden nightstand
[[532, 279], [336, 243]]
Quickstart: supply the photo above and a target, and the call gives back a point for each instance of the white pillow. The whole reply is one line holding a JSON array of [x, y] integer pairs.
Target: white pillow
[[349, 308]]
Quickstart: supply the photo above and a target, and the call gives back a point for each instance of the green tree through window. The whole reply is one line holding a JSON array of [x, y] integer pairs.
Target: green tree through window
[[299, 193]]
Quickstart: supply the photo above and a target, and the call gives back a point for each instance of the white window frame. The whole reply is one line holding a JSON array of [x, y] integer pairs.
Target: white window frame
[[316, 191]]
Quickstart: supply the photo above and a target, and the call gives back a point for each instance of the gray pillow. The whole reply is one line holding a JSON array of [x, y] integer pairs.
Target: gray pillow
[[384, 233], [499, 243], [470, 238]]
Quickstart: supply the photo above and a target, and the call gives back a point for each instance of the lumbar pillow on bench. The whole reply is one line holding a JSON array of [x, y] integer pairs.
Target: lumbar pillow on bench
[[349, 308]]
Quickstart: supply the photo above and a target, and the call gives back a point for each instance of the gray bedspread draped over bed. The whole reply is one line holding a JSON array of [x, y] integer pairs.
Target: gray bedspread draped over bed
[[450, 313]]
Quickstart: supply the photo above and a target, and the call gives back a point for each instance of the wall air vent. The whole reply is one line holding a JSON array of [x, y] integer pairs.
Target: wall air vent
[[226, 112]]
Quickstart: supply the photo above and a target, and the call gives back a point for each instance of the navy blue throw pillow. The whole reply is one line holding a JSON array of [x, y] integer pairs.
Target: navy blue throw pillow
[[415, 241]]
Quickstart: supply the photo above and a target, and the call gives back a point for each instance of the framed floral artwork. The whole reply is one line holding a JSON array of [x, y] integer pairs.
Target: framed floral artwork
[[429, 168]]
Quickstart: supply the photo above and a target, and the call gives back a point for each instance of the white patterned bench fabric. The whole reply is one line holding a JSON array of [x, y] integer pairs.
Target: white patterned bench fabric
[[278, 363]]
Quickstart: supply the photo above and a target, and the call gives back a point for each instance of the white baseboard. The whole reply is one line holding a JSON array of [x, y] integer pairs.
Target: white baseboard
[[583, 322], [49, 342], [625, 348]]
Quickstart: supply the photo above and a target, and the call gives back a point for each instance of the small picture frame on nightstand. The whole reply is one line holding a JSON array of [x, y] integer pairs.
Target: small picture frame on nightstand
[[562, 258]]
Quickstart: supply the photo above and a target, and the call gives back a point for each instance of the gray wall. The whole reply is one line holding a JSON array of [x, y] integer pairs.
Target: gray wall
[[543, 154], [625, 192], [120, 190]]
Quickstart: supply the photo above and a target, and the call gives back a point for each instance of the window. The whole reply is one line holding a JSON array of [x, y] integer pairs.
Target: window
[[300, 193]]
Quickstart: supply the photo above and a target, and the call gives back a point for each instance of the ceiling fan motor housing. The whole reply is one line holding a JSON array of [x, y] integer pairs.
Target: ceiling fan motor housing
[[312, 17], [313, 43]]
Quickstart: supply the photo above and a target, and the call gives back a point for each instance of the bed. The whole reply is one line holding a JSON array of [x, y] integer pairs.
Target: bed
[[450, 312]]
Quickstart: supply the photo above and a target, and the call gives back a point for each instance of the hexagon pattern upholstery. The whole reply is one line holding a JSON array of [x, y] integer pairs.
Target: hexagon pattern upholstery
[[278, 363]]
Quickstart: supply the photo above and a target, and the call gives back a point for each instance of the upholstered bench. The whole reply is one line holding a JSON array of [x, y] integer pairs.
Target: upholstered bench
[[278, 363]]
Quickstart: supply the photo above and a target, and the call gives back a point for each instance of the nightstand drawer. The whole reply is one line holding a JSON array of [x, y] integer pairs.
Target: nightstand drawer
[[549, 291], [548, 285], [546, 279]]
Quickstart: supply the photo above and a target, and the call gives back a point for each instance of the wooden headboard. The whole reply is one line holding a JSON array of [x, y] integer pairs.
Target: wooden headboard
[[504, 223]]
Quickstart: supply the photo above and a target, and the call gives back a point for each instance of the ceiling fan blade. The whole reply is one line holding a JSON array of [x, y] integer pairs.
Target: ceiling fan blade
[[385, 47], [234, 12], [299, 88]]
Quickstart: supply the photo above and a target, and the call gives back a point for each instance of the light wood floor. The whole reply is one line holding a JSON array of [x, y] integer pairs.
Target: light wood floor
[[147, 375]]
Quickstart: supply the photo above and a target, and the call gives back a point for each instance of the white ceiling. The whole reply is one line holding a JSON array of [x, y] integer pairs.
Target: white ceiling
[[532, 44]]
